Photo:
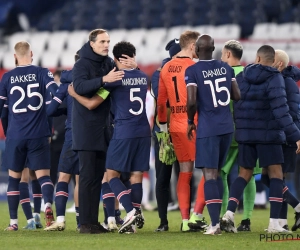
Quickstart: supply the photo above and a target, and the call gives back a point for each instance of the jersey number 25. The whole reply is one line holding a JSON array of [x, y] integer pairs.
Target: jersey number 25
[[30, 94]]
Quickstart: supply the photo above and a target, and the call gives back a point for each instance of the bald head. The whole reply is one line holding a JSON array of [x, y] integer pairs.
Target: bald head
[[265, 55], [281, 59], [205, 47]]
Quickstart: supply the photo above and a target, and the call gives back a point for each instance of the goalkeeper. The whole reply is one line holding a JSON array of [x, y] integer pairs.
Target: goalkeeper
[[172, 88]]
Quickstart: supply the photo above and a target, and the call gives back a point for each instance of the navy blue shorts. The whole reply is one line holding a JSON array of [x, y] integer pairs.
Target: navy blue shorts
[[68, 160], [129, 155], [290, 158], [34, 153], [267, 154], [211, 151]]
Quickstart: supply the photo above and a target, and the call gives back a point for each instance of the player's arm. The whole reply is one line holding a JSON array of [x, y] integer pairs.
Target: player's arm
[[89, 103], [53, 109], [4, 118], [162, 99], [235, 93], [191, 101], [3, 93], [83, 85]]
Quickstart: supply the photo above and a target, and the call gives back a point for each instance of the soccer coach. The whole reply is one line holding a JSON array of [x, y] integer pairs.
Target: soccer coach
[[92, 128]]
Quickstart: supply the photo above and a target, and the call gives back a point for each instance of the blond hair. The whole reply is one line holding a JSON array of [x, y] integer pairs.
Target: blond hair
[[188, 37], [22, 48], [282, 56]]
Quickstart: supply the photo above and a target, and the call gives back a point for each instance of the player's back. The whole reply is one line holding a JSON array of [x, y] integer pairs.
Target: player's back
[[213, 79], [172, 76], [129, 99], [26, 93]]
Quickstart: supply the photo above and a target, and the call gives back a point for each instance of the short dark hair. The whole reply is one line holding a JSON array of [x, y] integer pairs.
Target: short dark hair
[[267, 52], [125, 48], [94, 33], [57, 72], [235, 48]]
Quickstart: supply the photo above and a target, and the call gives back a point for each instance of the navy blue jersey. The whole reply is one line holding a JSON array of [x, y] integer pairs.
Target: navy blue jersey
[[52, 109], [213, 79], [25, 89], [128, 99]]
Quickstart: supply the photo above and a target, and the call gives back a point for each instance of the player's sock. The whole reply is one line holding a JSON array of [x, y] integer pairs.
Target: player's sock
[[265, 180], [137, 195], [61, 198], [47, 189], [249, 198], [13, 195], [37, 196], [200, 201], [275, 197], [236, 190], [108, 199], [25, 200], [184, 193], [224, 177], [283, 211], [77, 216], [289, 198], [213, 200], [220, 187], [121, 193], [105, 213]]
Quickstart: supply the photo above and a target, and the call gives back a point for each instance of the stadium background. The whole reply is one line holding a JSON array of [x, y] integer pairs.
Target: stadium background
[[56, 29]]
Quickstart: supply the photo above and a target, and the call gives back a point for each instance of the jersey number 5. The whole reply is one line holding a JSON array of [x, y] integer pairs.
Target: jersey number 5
[[29, 94], [137, 99], [218, 89]]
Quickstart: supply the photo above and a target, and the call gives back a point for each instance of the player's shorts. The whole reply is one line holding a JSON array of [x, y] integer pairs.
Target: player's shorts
[[290, 158], [211, 151], [68, 160], [35, 153], [267, 154], [185, 149], [129, 155]]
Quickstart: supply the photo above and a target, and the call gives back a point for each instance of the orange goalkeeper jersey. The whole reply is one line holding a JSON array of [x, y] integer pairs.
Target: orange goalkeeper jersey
[[172, 88]]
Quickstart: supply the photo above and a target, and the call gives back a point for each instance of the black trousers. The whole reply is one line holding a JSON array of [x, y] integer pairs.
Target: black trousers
[[162, 188], [91, 171]]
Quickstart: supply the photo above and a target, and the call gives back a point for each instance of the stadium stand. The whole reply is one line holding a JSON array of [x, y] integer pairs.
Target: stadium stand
[[57, 34]]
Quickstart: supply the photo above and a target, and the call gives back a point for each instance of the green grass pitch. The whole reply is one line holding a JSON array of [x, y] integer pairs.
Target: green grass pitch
[[145, 238]]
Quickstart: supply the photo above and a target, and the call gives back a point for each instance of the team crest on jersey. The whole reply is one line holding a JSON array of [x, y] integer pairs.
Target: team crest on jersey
[[50, 74]]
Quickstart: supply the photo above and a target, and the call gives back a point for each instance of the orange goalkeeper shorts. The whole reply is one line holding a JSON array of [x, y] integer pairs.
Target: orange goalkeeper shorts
[[185, 149]]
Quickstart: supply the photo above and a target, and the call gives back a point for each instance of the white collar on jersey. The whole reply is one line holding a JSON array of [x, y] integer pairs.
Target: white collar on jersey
[[127, 69], [24, 65]]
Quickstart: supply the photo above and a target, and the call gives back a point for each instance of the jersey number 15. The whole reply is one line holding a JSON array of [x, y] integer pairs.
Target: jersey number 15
[[30, 94], [218, 89]]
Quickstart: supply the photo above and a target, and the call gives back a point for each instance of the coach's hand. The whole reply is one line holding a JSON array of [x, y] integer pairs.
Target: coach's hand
[[298, 147], [190, 129], [128, 61], [113, 76]]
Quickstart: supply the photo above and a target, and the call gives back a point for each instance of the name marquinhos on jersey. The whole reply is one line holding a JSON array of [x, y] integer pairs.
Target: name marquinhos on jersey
[[214, 72], [178, 109], [134, 81], [23, 78]]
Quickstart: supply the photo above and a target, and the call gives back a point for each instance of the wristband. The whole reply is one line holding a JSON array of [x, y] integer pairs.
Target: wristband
[[190, 122], [103, 93]]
